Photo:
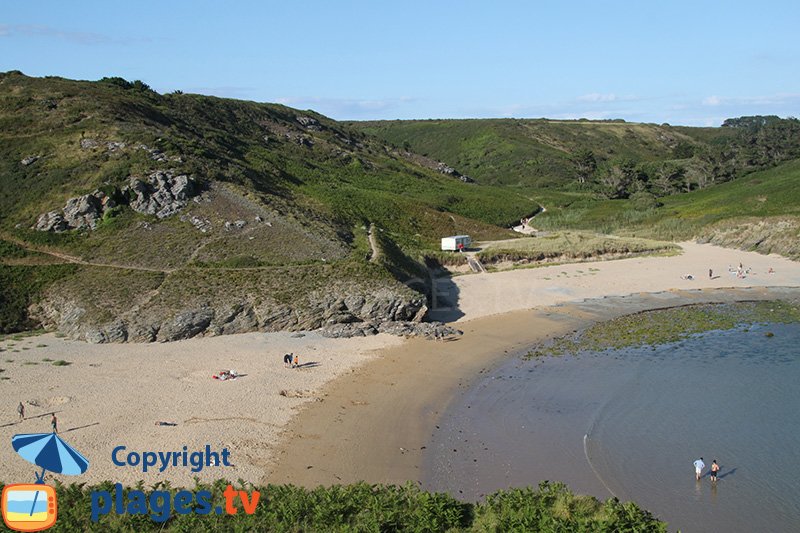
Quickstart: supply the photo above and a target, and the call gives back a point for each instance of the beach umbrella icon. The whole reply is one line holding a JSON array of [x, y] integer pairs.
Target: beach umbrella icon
[[49, 451]]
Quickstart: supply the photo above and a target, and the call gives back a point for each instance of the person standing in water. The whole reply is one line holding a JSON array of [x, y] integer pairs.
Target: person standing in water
[[699, 465], [714, 470]]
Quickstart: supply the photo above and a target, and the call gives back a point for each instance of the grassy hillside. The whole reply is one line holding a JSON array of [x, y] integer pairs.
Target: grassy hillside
[[534, 153], [279, 188], [768, 199]]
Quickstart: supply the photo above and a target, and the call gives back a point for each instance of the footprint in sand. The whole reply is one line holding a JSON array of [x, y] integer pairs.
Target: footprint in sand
[[54, 401]]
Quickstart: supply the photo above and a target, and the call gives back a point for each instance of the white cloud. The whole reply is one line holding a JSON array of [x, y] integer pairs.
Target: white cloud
[[78, 37], [345, 108], [598, 97], [712, 100]]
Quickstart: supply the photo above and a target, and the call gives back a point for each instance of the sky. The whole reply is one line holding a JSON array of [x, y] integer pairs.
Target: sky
[[681, 62]]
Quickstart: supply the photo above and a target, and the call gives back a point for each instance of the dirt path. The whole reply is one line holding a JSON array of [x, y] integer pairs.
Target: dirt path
[[527, 229], [77, 260], [376, 251]]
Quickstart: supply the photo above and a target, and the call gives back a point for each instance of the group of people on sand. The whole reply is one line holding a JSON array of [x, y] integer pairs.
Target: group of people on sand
[[741, 272], [290, 359], [699, 465]]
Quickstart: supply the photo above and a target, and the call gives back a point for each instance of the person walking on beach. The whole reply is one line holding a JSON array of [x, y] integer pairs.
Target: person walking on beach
[[714, 470], [287, 360], [54, 423], [21, 411], [710, 274], [699, 465], [296, 362]]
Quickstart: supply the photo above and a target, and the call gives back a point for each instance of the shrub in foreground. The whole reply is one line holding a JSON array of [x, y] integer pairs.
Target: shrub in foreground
[[364, 507]]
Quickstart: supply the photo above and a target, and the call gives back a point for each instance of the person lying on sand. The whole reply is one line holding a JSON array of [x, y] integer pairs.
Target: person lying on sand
[[162, 423], [226, 375], [688, 277]]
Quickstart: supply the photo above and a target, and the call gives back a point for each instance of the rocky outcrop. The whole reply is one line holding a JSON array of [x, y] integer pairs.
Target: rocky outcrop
[[344, 310], [429, 330], [162, 194], [309, 123], [450, 171], [79, 213]]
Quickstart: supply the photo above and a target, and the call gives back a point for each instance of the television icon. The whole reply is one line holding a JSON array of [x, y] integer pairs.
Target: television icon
[[29, 507]]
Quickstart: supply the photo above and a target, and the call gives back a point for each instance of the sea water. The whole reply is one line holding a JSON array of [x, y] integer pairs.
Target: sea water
[[629, 423]]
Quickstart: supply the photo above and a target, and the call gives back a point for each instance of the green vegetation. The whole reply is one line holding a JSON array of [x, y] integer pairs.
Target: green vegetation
[[61, 362], [20, 286], [661, 182], [770, 194], [310, 181], [527, 154], [613, 158], [362, 507], [302, 187], [569, 246], [663, 326]]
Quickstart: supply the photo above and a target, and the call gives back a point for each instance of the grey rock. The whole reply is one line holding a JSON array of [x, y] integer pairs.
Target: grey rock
[[88, 144], [31, 159], [114, 146], [429, 330], [308, 122], [236, 224], [95, 336], [143, 332], [445, 169], [235, 319], [340, 331], [52, 221], [186, 325], [276, 318], [162, 195], [83, 212], [116, 332]]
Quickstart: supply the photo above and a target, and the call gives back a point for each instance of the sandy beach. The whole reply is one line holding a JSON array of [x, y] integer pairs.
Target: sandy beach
[[113, 394], [378, 421], [381, 396], [474, 296]]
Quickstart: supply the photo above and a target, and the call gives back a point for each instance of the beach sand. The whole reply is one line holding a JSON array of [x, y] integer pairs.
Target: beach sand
[[475, 296], [113, 394], [377, 422], [382, 396]]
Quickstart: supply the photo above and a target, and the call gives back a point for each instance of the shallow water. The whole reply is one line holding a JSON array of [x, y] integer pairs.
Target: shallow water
[[630, 423]]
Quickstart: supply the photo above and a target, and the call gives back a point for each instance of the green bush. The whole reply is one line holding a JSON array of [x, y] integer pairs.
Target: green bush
[[363, 507]]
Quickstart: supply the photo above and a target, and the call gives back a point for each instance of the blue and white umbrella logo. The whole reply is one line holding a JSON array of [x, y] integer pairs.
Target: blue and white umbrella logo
[[49, 451]]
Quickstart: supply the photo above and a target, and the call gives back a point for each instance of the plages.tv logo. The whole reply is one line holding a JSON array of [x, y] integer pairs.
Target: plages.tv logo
[[34, 506]]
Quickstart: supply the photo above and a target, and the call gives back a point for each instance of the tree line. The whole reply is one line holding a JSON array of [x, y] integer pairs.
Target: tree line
[[754, 143]]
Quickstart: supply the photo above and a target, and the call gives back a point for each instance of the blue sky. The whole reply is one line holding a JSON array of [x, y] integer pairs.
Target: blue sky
[[693, 63]]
